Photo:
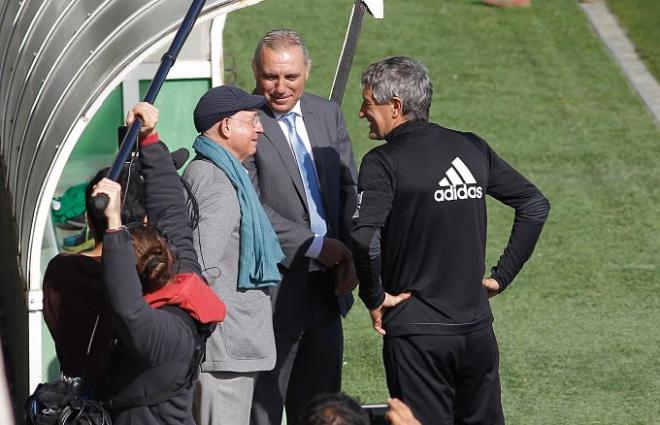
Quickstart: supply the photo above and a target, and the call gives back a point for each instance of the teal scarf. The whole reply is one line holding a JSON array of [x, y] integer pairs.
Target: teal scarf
[[260, 249]]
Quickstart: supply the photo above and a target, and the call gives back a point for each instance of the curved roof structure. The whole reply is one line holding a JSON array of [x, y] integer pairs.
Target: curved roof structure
[[59, 59]]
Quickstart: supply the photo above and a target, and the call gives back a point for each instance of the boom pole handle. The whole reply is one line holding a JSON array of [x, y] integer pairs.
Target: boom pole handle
[[128, 143]]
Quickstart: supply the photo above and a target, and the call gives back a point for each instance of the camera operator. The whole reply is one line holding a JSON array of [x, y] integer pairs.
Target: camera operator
[[74, 305], [143, 277]]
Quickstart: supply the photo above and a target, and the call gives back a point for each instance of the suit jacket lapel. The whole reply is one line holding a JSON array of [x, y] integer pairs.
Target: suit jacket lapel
[[273, 132]]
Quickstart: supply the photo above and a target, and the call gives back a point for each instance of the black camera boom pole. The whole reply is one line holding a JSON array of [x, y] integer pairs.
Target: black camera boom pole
[[166, 62]]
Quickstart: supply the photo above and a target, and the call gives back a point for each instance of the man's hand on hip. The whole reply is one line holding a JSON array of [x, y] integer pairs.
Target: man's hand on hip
[[390, 301], [492, 286]]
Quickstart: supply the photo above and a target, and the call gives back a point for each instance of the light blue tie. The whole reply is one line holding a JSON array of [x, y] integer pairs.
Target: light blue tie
[[308, 173]]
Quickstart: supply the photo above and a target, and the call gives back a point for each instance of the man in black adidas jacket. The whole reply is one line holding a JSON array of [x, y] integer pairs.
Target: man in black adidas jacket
[[419, 246]]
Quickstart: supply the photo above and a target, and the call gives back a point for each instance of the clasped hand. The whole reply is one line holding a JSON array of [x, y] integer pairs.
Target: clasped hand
[[335, 254]]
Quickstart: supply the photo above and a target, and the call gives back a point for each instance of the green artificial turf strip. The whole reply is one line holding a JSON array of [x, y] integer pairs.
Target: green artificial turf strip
[[578, 329], [641, 20]]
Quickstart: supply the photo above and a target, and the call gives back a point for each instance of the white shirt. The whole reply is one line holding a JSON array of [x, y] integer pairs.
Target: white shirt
[[315, 247]]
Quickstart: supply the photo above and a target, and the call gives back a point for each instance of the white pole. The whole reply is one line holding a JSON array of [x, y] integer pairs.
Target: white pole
[[35, 360], [216, 43]]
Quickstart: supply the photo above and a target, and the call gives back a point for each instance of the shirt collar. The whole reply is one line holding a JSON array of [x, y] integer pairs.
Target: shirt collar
[[404, 128], [296, 110]]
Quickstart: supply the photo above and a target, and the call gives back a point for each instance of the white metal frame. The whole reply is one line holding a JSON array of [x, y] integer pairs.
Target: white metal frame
[[130, 78]]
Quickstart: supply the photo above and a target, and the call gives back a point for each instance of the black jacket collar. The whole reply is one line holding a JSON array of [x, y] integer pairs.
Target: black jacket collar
[[404, 128]]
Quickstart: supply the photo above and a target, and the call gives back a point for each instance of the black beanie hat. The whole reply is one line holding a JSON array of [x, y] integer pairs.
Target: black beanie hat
[[223, 101]]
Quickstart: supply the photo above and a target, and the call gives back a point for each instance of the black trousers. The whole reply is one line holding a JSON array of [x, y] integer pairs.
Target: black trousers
[[309, 358], [446, 380]]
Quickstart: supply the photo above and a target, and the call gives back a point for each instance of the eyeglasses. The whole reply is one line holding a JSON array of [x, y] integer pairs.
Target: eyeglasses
[[255, 121]]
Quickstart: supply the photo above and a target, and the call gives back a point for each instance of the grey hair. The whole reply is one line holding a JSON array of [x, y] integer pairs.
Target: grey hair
[[280, 39], [402, 77]]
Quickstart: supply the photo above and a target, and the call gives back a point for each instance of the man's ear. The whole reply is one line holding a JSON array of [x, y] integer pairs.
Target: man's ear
[[397, 107], [221, 128]]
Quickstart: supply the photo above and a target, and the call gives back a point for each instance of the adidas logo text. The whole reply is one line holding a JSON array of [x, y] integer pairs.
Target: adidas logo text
[[458, 184], [458, 192]]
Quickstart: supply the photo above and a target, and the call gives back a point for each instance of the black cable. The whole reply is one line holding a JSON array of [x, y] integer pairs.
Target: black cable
[[191, 203], [83, 378], [128, 178], [193, 217], [84, 412]]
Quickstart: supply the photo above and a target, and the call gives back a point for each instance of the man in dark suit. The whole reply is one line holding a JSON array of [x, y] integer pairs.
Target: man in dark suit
[[305, 173]]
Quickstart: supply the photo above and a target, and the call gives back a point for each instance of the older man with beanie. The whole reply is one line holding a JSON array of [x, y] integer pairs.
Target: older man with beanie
[[420, 242], [238, 251]]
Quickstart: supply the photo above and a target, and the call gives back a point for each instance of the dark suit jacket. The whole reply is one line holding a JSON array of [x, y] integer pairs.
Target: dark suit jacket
[[276, 176]]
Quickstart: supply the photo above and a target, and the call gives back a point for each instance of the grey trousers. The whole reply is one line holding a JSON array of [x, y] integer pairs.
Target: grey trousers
[[223, 398]]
